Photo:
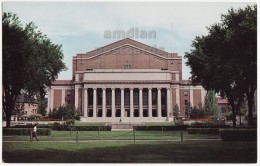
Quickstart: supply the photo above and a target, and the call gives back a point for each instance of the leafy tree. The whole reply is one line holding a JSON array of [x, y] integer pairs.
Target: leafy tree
[[64, 112], [225, 59], [42, 108], [31, 62], [210, 104], [197, 112], [176, 111], [187, 109]]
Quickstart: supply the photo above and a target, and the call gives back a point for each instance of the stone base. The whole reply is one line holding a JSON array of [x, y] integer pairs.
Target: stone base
[[126, 119], [123, 126]]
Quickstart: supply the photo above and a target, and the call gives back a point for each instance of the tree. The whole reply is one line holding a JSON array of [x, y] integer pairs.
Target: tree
[[65, 112], [42, 107], [187, 109], [31, 62], [176, 111], [225, 59], [210, 104], [197, 112]]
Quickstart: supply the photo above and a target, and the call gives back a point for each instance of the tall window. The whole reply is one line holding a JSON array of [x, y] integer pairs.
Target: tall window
[[145, 96], [127, 97], [136, 96]]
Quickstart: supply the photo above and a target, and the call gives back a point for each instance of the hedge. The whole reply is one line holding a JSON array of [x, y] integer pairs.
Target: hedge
[[159, 128], [63, 127], [208, 125], [81, 128], [203, 130], [238, 134], [31, 126], [25, 131]]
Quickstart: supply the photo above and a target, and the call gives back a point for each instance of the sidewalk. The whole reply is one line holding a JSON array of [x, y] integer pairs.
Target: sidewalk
[[213, 139]]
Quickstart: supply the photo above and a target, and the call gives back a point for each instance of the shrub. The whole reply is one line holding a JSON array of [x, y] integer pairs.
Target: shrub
[[70, 122], [212, 124], [178, 122], [81, 128], [159, 128], [25, 131], [31, 126], [64, 112], [238, 134], [203, 131], [197, 113]]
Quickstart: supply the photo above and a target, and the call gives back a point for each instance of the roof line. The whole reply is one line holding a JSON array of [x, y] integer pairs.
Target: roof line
[[123, 46]]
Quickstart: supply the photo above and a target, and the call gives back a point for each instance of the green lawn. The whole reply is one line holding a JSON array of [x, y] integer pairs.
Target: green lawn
[[113, 135], [131, 152]]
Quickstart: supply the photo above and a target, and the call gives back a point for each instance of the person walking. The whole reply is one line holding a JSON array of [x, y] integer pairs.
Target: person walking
[[34, 133]]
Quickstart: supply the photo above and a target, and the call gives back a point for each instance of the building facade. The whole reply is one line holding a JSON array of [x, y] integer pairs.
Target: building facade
[[126, 81]]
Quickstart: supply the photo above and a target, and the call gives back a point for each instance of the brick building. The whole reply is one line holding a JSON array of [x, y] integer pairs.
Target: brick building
[[128, 81]]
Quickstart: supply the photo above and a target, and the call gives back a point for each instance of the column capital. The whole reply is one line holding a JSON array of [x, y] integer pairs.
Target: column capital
[[131, 88], [140, 88], [122, 88], [85, 88], [169, 88], [113, 88], [94, 88], [103, 88], [150, 88], [159, 88]]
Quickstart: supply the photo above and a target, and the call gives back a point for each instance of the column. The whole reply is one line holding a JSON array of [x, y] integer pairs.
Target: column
[[177, 77], [49, 100], [150, 102], [191, 96], [85, 102], [159, 105], [178, 97], [94, 102], [140, 102], [52, 99], [76, 97], [104, 104], [113, 103], [131, 102], [203, 93], [169, 104], [62, 96], [122, 102]]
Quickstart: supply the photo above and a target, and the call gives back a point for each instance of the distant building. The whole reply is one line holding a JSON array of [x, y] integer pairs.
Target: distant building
[[25, 106], [224, 107], [126, 81]]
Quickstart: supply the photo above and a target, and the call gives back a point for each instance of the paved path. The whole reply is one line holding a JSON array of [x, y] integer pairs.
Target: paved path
[[217, 139]]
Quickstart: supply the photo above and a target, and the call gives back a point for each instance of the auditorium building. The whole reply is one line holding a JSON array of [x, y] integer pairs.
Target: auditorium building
[[126, 81]]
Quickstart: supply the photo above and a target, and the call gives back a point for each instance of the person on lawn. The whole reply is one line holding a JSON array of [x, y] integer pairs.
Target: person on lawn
[[34, 133]]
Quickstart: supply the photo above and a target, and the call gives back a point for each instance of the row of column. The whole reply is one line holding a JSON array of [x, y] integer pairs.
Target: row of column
[[159, 106]]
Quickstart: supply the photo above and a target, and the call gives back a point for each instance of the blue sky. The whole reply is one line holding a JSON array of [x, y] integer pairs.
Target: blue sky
[[80, 26]]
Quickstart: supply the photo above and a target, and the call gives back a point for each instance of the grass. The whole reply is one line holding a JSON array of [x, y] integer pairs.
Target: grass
[[115, 135], [130, 152]]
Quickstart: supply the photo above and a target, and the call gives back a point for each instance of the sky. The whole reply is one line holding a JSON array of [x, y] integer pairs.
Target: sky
[[80, 26]]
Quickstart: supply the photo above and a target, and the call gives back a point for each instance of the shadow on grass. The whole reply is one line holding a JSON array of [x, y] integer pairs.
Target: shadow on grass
[[129, 152]]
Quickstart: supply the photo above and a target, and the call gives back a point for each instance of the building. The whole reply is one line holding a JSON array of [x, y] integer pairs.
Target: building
[[224, 107], [25, 106], [126, 81]]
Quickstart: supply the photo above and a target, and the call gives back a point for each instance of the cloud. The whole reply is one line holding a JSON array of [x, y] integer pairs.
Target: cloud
[[80, 26]]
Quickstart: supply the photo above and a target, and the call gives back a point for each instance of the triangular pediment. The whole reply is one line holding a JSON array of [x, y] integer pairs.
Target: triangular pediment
[[128, 43]]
